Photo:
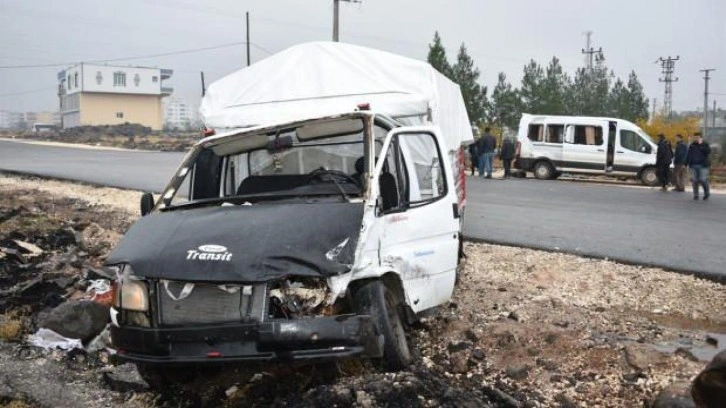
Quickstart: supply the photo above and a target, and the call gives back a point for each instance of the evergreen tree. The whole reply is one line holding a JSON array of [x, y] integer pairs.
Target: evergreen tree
[[553, 89], [639, 104], [437, 56], [467, 76], [619, 102], [532, 89], [506, 105], [590, 89]]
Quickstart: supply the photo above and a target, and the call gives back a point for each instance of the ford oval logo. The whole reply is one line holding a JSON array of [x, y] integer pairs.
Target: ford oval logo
[[215, 249]]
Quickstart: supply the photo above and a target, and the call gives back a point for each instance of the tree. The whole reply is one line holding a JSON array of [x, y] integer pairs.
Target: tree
[[553, 89], [659, 124], [437, 56], [531, 91], [639, 104], [467, 76], [589, 90], [506, 105], [619, 102]]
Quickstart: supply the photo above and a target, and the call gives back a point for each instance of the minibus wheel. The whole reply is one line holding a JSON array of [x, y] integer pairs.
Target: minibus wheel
[[374, 298], [543, 170], [649, 177]]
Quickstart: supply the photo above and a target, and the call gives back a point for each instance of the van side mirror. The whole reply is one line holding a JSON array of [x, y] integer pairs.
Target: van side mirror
[[147, 203]]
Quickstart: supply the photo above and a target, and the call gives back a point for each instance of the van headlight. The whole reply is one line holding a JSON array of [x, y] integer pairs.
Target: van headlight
[[131, 294]]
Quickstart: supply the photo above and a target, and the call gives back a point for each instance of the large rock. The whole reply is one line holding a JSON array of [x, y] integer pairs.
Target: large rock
[[674, 396], [77, 319], [709, 387]]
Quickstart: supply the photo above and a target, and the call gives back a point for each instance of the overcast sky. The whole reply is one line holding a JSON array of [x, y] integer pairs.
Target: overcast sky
[[500, 35]]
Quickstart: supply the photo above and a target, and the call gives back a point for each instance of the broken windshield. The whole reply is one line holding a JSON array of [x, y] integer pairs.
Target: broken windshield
[[315, 159]]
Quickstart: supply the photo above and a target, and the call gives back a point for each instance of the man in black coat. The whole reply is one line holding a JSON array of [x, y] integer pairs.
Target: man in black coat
[[474, 157], [663, 159], [679, 161], [698, 161], [506, 153]]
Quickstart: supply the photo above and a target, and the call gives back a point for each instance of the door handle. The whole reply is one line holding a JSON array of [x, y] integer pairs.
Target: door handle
[[600, 150], [620, 151]]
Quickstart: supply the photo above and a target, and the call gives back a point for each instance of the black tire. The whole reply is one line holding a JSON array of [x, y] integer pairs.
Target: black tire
[[376, 300], [649, 176], [543, 170]]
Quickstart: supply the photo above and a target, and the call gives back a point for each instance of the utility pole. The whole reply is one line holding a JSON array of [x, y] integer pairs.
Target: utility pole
[[655, 103], [668, 66], [713, 116], [706, 78], [590, 51], [336, 10], [247, 15], [204, 89]]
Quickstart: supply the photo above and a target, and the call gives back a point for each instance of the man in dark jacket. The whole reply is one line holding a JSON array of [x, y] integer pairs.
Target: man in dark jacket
[[663, 159], [474, 157], [679, 160], [486, 147], [507, 154], [698, 161]]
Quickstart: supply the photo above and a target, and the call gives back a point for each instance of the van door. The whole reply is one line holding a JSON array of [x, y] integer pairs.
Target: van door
[[417, 204], [585, 147], [632, 152]]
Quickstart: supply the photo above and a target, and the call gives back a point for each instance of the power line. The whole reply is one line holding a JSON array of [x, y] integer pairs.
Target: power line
[[163, 54], [27, 92]]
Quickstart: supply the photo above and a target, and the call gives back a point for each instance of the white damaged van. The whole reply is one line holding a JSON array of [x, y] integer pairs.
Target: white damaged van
[[550, 145]]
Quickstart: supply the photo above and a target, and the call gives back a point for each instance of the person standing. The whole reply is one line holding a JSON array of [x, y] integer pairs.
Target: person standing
[[697, 159], [506, 153], [663, 159], [486, 147], [679, 160], [474, 158]]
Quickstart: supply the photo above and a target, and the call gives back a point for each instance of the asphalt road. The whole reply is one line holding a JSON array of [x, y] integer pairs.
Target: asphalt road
[[631, 224]]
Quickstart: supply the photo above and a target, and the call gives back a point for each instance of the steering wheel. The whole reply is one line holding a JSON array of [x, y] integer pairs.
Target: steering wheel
[[322, 171]]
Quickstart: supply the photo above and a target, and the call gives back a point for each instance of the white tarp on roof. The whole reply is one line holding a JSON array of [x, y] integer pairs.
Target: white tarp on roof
[[325, 78]]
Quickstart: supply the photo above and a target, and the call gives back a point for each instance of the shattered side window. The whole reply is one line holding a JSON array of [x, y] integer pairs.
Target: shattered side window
[[423, 165]]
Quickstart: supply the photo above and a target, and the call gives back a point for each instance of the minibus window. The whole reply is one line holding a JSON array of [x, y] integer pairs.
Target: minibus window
[[588, 135], [536, 133], [555, 133]]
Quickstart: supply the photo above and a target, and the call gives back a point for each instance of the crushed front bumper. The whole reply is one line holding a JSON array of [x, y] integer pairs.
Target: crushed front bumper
[[321, 338]]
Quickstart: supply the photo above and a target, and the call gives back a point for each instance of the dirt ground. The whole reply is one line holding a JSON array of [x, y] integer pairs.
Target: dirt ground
[[525, 328]]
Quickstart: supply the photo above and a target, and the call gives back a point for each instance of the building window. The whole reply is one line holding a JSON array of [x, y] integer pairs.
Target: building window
[[75, 79], [155, 79], [70, 84], [119, 79], [120, 115], [99, 77], [137, 79]]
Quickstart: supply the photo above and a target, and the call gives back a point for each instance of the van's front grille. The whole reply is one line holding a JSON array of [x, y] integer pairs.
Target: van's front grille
[[209, 303]]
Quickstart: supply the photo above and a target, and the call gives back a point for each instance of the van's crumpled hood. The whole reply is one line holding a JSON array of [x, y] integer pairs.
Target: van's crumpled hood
[[252, 243]]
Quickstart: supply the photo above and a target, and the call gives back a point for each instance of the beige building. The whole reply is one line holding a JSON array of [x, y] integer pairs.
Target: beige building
[[92, 94]]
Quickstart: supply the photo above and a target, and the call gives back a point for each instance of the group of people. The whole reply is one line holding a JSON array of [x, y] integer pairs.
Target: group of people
[[482, 153], [695, 157]]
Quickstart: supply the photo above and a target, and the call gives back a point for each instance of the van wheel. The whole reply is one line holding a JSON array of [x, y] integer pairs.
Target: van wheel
[[376, 300], [649, 176], [543, 170]]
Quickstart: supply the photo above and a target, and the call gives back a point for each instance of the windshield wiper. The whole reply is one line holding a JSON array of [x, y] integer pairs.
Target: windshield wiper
[[340, 188]]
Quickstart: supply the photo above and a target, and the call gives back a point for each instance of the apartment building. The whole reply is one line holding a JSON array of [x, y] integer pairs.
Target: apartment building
[[93, 94]]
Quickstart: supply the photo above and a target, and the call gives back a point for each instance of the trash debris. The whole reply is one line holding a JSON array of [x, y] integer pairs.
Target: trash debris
[[33, 250], [48, 339]]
